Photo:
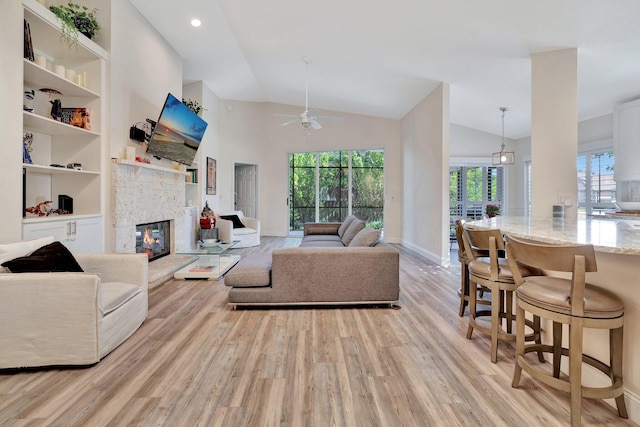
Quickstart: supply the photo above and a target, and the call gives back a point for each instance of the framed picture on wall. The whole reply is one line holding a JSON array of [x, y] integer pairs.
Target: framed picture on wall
[[211, 176]]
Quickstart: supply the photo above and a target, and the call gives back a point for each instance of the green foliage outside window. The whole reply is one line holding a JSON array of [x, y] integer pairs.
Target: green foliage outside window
[[367, 187]]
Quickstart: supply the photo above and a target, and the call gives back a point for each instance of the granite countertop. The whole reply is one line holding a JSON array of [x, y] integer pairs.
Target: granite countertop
[[614, 235]]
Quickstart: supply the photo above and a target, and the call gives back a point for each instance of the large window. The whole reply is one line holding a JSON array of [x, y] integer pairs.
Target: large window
[[596, 187], [472, 188], [329, 186]]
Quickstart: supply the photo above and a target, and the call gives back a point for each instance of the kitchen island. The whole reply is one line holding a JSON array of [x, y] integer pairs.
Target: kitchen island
[[617, 245]]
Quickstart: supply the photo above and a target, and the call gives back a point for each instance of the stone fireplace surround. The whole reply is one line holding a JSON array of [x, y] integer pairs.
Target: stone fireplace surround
[[143, 193]]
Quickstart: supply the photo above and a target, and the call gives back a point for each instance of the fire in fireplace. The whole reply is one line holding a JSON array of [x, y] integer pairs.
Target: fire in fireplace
[[153, 239]]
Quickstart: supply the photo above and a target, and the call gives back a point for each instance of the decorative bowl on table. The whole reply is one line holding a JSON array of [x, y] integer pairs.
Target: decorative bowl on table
[[628, 206]]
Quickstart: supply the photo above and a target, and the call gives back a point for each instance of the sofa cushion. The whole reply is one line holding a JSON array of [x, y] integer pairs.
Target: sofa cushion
[[9, 251], [115, 294], [322, 244], [235, 219], [354, 228], [322, 238], [347, 222], [49, 258], [366, 237], [253, 270]]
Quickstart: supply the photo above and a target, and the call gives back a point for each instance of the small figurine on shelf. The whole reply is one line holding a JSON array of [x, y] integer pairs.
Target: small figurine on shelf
[[27, 141], [207, 217], [41, 209]]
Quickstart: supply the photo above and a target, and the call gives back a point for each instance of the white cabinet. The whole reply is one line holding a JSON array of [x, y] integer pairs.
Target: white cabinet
[[79, 235], [626, 141], [58, 143]]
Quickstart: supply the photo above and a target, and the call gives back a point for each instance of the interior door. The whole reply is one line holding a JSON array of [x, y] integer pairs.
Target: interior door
[[245, 190]]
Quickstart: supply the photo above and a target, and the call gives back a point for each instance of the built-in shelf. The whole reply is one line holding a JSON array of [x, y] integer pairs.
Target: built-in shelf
[[38, 77], [38, 123], [30, 219], [52, 170]]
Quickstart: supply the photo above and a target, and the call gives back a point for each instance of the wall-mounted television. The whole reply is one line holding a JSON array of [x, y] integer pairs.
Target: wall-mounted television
[[177, 133]]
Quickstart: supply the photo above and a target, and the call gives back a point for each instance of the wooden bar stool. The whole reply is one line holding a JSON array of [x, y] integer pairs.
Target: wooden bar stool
[[464, 270], [495, 274], [572, 302]]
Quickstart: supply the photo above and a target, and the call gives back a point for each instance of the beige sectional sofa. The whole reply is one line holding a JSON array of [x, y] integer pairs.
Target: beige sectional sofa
[[321, 271]]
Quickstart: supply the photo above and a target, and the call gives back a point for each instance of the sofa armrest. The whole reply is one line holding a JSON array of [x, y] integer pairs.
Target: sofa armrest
[[251, 223], [321, 228], [117, 267], [48, 319]]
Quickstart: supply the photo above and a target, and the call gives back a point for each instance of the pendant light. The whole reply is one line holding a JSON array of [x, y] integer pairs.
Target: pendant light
[[503, 157]]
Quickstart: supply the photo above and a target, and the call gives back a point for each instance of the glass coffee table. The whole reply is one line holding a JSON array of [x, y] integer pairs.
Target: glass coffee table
[[212, 261]]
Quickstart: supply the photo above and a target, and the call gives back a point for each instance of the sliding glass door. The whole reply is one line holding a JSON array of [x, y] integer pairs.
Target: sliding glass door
[[328, 186]]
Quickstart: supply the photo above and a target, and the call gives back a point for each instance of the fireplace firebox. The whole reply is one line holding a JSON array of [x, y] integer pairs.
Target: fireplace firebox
[[154, 239]]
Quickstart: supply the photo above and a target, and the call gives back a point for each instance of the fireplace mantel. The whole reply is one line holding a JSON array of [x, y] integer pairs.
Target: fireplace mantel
[[140, 165]]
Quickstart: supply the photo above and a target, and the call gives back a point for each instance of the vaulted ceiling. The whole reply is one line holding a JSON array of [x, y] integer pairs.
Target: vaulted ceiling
[[380, 58]]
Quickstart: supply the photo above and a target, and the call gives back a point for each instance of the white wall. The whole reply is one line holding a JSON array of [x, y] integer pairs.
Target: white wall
[[11, 120], [467, 142], [249, 133], [143, 68], [425, 138], [211, 145]]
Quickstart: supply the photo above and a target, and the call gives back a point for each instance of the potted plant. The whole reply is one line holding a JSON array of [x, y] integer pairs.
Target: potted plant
[[492, 210], [76, 18], [193, 105]]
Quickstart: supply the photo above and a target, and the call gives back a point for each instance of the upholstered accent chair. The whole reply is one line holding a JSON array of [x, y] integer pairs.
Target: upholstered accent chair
[[69, 318], [235, 226]]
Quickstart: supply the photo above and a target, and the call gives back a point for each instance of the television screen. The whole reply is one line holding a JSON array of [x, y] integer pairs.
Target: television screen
[[177, 133]]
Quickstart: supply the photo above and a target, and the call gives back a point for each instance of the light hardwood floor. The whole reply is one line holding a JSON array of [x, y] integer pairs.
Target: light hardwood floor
[[195, 362]]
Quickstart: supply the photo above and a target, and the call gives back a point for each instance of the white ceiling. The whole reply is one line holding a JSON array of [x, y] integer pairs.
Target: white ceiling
[[380, 58]]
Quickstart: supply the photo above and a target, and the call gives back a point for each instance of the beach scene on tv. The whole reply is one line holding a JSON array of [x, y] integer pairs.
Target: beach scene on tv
[[178, 132]]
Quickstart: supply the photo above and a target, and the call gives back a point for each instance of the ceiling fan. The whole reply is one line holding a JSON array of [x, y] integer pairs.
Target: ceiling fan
[[308, 119]]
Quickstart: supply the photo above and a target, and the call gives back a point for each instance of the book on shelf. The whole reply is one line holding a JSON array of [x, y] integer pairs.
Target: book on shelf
[[192, 176], [77, 116], [28, 43]]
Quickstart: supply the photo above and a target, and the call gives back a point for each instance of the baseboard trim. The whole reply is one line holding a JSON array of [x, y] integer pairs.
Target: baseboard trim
[[444, 262]]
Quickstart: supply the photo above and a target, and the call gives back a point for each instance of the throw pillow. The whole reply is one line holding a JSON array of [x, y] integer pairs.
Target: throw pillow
[[233, 218], [366, 237], [354, 228], [9, 251], [54, 257], [347, 222]]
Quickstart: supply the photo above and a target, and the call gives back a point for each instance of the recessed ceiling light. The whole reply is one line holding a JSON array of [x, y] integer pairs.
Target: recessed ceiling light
[[196, 22]]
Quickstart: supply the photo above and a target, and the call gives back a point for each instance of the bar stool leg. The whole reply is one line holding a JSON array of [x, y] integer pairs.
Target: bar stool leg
[[615, 350], [509, 310], [473, 292], [575, 370], [495, 322], [557, 348], [519, 345], [464, 287]]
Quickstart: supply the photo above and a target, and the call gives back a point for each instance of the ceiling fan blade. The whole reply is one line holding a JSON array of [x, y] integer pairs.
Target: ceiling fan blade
[[314, 123], [284, 115], [290, 122], [329, 119]]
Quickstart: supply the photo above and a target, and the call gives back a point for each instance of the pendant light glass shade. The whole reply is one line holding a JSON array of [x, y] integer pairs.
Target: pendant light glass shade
[[503, 157]]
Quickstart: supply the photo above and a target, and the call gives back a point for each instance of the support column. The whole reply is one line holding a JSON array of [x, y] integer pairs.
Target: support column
[[554, 132]]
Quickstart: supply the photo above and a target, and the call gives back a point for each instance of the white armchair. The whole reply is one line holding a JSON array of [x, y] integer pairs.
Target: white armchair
[[72, 318], [248, 236]]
